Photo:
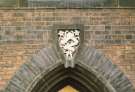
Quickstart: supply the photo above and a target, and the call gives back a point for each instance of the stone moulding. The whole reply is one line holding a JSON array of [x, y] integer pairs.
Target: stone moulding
[[89, 62]]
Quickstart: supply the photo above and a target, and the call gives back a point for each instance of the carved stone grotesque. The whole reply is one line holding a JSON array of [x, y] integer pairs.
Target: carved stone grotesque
[[69, 41]]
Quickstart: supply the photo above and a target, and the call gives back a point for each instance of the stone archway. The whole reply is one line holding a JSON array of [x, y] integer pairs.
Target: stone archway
[[77, 77], [45, 70]]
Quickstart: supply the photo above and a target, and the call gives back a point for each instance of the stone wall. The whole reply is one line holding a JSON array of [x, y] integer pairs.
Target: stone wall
[[68, 3], [24, 32]]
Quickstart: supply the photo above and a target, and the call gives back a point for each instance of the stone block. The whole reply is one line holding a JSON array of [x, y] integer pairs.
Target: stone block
[[127, 3], [73, 3]]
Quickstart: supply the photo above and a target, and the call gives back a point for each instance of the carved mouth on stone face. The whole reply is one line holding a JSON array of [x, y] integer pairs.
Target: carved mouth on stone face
[[69, 41]]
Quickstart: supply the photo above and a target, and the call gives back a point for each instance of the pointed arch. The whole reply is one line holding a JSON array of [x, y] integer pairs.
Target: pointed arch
[[45, 71]]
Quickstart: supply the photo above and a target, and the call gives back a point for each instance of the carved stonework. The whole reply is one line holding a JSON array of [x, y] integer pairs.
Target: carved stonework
[[69, 41]]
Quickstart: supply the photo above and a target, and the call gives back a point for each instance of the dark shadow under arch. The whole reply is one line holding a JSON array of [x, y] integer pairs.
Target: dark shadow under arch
[[77, 77]]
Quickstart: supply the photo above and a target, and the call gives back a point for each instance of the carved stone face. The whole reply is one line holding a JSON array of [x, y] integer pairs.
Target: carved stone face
[[69, 42]]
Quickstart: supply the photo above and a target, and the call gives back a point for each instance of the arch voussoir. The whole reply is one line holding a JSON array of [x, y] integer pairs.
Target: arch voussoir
[[104, 67], [47, 61]]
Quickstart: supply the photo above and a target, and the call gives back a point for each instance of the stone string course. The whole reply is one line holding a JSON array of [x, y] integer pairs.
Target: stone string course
[[25, 32]]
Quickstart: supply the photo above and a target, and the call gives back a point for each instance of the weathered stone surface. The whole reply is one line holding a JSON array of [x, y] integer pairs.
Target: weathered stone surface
[[38, 64], [127, 3], [68, 3], [13, 3], [105, 68], [25, 78], [25, 32], [8, 3], [72, 3]]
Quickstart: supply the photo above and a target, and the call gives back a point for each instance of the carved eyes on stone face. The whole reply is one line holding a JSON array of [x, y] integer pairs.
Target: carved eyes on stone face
[[69, 42]]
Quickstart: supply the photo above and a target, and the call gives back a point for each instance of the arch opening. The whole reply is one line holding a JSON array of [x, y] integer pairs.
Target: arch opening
[[77, 77], [68, 88]]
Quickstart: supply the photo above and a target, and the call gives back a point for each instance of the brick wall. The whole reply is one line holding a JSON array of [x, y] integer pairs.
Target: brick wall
[[23, 32]]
